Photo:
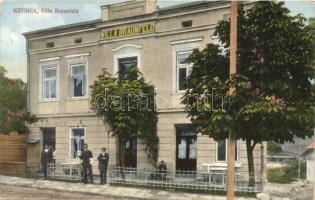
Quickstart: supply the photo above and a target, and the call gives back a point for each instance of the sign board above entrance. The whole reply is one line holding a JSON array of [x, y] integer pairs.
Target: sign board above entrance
[[128, 31]]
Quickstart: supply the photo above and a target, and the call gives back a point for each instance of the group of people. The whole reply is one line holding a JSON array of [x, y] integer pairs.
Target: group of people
[[86, 159]]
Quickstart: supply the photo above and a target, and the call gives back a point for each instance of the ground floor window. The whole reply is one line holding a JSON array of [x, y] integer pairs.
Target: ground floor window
[[222, 150], [77, 140], [186, 148]]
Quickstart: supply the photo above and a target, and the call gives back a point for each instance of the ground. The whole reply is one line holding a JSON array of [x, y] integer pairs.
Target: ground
[[8, 192]]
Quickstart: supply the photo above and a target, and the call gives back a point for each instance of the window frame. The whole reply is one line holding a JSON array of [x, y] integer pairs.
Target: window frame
[[85, 80], [187, 66], [43, 79], [71, 137], [126, 57], [126, 51], [226, 151]]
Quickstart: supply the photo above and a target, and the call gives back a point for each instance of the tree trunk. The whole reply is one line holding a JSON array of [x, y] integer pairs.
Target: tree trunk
[[250, 159], [122, 156]]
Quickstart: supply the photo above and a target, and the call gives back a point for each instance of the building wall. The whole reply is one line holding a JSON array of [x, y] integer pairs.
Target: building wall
[[157, 52]]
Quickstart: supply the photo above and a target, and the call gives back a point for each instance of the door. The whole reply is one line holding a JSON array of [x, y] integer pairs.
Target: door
[[130, 146], [186, 147], [49, 137]]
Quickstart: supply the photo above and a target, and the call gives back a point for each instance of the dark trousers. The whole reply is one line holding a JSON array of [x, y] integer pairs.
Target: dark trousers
[[44, 168], [87, 171], [103, 173]]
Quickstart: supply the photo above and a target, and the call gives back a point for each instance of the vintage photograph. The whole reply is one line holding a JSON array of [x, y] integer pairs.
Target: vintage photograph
[[157, 99]]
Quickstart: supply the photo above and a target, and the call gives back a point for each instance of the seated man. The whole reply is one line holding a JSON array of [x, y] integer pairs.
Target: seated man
[[162, 170]]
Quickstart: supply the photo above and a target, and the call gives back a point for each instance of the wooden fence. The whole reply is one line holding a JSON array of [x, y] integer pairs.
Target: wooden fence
[[13, 154]]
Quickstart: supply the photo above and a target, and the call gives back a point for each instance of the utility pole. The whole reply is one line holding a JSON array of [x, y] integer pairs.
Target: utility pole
[[231, 141]]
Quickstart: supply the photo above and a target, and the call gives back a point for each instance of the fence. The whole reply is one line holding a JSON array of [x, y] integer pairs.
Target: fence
[[13, 149], [194, 180], [67, 172]]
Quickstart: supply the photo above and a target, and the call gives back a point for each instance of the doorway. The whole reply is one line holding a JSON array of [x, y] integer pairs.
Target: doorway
[[130, 147], [186, 147], [49, 137]]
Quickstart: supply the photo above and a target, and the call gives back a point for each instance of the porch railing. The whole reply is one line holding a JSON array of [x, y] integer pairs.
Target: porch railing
[[195, 180], [66, 172]]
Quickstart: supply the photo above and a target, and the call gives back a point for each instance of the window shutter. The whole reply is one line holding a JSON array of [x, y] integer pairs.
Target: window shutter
[[70, 86], [84, 84]]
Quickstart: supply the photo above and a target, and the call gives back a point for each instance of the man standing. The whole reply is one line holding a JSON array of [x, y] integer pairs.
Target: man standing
[[46, 157], [102, 164], [87, 159]]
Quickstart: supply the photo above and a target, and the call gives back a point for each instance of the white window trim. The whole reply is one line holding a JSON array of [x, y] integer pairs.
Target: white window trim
[[126, 51], [78, 59], [226, 152], [70, 137], [181, 46], [44, 64], [179, 66]]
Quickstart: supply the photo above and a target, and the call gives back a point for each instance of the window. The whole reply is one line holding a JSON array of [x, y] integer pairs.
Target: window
[[126, 63], [78, 40], [50, 44], [77, 140], [187, 23], [49, 83], [184, 68], [77, 80], [222, 151]]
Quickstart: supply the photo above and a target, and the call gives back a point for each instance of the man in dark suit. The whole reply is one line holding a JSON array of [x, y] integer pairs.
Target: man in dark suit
[[87, 159], [102, 164], [46, 157]]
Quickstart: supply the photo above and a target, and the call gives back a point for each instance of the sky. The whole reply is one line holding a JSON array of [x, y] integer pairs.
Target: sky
[[13, 23]]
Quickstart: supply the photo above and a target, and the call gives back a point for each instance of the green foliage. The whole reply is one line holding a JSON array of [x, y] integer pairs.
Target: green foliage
[[287, 174], [274, 99], [273, 148], [128, 107], [13, 115], [278, 175]]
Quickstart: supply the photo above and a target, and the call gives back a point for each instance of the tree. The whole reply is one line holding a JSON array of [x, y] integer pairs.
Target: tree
[[274, 99], [127, 104], [274, 148], [13, 114]]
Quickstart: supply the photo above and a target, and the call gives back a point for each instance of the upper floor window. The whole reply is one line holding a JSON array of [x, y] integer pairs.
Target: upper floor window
[[77, 139], [49, 83], [186, 24], [78, 40], [50, 44], [126, 64], [184, 68], [77, 80], [221, 150]]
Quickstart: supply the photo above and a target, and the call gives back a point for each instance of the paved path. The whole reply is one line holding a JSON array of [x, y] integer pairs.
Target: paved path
[[9, 192], [106, 190]]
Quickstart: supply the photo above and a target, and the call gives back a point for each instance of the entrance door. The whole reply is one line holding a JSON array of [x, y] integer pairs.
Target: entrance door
[[49, 137], [186, 147], [130, 145]]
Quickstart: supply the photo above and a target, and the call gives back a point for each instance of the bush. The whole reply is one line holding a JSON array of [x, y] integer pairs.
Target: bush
[[287, 174]]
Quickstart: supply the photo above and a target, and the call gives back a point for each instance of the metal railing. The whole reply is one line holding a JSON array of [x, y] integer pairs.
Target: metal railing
[[194, 180], [66, 172]]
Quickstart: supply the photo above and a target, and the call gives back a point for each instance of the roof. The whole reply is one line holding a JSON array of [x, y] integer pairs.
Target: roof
[[309, 149], [94, 23], [91, 23]]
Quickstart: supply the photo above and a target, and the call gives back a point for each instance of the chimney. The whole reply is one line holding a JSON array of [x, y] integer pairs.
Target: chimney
[[105, 12], [150, 6], [128, 9]]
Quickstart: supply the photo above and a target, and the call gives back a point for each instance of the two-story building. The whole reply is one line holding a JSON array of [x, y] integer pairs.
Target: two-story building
[[64, 61]]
